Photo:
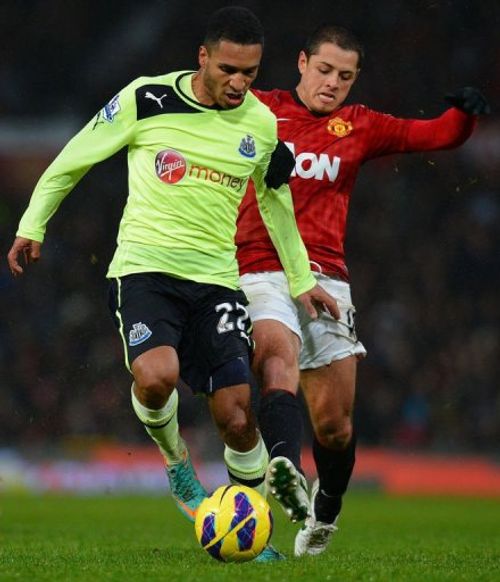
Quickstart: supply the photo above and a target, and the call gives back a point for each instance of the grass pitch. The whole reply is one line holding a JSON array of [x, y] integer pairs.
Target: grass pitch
[[145, 538]]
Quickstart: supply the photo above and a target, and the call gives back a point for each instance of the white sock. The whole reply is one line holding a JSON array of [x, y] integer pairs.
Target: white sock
[[249, 467], [163, 427]]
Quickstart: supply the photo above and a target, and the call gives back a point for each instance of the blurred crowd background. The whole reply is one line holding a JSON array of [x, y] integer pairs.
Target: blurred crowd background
[[423, 239]]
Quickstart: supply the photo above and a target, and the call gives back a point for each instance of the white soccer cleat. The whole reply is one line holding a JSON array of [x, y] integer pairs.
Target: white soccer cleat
[[314, 536], [289, 487]]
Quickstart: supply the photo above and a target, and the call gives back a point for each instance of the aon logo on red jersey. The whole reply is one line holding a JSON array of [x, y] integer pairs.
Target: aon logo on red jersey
[[310, 165]]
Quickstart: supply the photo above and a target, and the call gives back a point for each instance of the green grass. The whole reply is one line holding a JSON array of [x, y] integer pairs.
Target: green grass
[[145, 538]]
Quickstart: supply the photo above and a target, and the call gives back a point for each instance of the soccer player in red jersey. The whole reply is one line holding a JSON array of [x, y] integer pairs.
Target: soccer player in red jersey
[[330, 140]]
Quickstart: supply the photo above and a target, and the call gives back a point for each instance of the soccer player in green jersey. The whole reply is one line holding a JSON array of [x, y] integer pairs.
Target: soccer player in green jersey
[[194, 140]]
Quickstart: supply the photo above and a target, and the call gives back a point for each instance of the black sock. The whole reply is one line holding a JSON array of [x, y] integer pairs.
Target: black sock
[[334, 472], [280, 421]]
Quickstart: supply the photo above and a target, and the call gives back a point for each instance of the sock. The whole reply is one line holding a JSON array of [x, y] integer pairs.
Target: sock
[[334, 472], [248, 468], [163, 427], [280, 421]]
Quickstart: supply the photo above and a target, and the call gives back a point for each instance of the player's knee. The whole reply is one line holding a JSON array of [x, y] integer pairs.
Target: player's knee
[[335, 436], [153, 388]]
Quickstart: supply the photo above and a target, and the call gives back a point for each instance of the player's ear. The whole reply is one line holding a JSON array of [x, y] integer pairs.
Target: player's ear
[[302, 62], [358, 71], [202, 55]]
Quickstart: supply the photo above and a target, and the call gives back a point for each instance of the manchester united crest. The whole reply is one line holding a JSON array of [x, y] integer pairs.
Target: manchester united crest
[[339, 127]]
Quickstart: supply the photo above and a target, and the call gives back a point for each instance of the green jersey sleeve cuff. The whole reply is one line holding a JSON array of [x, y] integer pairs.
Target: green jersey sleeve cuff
[[305, 284], [31, 234]]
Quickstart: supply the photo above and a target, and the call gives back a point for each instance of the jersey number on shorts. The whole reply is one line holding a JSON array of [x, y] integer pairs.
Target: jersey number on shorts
[[227, 321]]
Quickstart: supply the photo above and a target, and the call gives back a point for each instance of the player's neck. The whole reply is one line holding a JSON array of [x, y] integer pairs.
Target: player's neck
[[200, 91]]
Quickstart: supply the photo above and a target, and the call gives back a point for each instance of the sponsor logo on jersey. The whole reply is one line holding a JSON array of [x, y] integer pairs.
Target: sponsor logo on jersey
[[139, 333], [247, 147], [210, 175], [110, 110], [170, 166], [312, 165], [338, 127]]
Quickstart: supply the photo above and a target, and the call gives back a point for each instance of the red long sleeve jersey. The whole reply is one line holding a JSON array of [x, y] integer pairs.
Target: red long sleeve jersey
[[329, 151]]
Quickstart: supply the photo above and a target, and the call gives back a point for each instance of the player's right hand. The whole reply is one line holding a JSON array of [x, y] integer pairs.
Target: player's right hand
[[30, 249], [317, 299]]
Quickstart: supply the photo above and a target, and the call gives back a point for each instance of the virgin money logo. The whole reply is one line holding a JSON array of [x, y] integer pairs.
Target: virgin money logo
[[170, 166]]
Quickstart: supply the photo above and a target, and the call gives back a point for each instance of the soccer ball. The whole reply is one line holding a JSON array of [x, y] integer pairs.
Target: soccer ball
[[234, 524]]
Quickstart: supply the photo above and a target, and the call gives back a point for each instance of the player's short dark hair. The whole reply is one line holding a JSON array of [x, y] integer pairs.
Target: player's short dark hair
[[234, 24], [337, 35]]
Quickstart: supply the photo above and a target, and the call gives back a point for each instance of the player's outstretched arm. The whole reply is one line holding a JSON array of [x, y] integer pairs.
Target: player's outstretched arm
[[469, 100], [318, 299], [29, 249], [452, 128]]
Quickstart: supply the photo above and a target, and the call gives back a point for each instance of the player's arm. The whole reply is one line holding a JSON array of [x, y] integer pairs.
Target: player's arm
[[454, 126], [103, 136], [276, 207], [449, 130]]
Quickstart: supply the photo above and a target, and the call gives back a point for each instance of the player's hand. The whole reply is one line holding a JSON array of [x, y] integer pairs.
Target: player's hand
[[317, 299], [29, 249], [470, 100]]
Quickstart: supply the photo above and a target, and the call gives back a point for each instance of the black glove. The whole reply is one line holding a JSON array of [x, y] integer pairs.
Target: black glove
[[280, 167], [470, 100]]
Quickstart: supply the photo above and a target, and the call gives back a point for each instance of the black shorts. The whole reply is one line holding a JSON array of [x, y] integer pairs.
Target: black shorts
[[208, 325]]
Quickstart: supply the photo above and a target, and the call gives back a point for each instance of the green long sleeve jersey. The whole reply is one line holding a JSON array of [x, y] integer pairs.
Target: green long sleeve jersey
[[189, 166]]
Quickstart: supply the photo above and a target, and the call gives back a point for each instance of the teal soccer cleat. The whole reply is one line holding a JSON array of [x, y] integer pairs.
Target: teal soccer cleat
[[186, 489], [269, 554]]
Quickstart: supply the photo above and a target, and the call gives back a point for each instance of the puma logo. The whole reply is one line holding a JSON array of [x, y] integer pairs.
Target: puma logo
[[150, 95]]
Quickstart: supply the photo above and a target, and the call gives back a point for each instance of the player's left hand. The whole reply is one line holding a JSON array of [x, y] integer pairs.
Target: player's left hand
[[317, 299], [470, 100]]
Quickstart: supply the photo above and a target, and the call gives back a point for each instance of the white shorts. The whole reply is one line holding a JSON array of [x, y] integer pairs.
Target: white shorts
[[324, 339]]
